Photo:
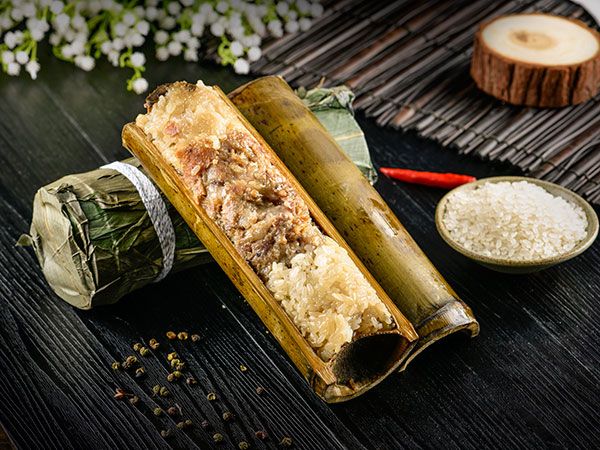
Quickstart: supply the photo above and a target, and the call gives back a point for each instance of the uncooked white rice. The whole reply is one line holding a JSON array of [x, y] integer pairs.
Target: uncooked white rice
[[514, 220], [327, 297]]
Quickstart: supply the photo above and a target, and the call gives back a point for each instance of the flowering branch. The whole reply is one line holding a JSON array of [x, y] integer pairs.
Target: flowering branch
[[82, 31]]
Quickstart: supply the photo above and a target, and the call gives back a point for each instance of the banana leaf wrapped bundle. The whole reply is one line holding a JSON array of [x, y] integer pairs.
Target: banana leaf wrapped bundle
[[356, 210], [96, 242]]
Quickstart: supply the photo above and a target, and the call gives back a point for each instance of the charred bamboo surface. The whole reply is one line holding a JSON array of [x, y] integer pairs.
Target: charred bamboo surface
[[356, 210]]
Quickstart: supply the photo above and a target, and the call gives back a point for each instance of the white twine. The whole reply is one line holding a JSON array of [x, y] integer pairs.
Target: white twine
[[157, 210]]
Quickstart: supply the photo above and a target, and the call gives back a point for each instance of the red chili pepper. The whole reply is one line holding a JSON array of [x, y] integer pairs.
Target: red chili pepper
[[435, 179]]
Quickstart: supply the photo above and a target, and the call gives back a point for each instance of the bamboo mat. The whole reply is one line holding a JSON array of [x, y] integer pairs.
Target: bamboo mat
[[408, 63]]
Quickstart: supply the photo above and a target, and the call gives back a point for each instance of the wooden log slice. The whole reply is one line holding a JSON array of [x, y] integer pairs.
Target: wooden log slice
[[537, 60]]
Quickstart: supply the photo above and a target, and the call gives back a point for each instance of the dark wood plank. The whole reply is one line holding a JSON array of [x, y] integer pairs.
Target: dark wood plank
[[530, 380]]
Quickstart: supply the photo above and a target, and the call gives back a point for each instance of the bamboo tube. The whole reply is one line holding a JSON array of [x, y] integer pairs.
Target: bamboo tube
[[361, 363], [356, 209]]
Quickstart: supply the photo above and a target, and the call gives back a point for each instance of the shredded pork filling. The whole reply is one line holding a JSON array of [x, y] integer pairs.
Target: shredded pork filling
[[233, 178]]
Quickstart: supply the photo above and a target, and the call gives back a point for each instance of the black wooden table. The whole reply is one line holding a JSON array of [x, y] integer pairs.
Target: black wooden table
[[531, 379]]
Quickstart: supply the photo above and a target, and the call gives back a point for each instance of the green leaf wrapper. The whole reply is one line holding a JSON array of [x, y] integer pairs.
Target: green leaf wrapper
[[94, 239]]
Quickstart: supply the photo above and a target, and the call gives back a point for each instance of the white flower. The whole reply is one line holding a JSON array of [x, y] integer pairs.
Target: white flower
[[305, 23], [22, 57], [191, 54], [292, 26], [139, 11], [13, 68], [78, 46], [252, 40], [142, 27], [197, 29], [182, 36], [316, 9], [118, 44], [78, 23], [139, 85], [56, 7], [113, 57], [237, 49], [37, 35], [257, 25], [292, 15], [187, 2], [151, 13], [5, 22], [217, 29], [162, 53], [61, 22], [174, 48], [222, 6], [106, 47], [29, 10], [17, 15], [133, 39], [129, 19], [54, 39], [32, 67], [120, 29], [241, 66], [168, 23], [193, 42], [94, 7], [10, 39], [174, 8], [206, 9], [275, 28], [282, 8], [254, 54], [161, 37], [138, 59], [85, 62], [303, 6], [8, 57]]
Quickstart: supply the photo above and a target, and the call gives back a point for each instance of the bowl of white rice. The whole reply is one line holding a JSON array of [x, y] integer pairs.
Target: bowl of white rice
[[516, 224]]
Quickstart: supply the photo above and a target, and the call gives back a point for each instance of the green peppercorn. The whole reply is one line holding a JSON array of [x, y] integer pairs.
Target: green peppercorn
[[218, 437], [174, 362], [166, 433], [195, 338], [129, 362], [171, 356], [211, 397], [227, 416], [156, 389], [137, 346], [134, 400], [144, 351], [170, 378], [116, 365], [140, 372], [177, 374], [286, 442], [180, 366], [180, 425], [188, 423], [158, 412], [243, 368], [191, 381], [243, 445], [164, 392]]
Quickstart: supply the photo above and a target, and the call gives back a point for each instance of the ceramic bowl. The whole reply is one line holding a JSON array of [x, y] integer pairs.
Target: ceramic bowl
[[518, 266]]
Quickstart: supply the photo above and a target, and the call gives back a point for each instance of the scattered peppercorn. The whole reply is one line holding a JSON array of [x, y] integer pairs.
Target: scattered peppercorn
[[188, 423], [134, 400], [218, 437], [262, 435], [175, 362], [116, 365], [177, 374], [182, 336], [158, 412], [153, 344], [140, 372], [172, 411], [137, 346], [170, 378], [211, 397], [120, 394], [243, 445], [205, 424], [286, 442], [166, 433], [180, 366], [171, 335], [191, 381], [156, 389], [227, 416], [180, 425], [164, 392], [171, 356], [260, 390], [243, 368], [144, 351], [195, 337]]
